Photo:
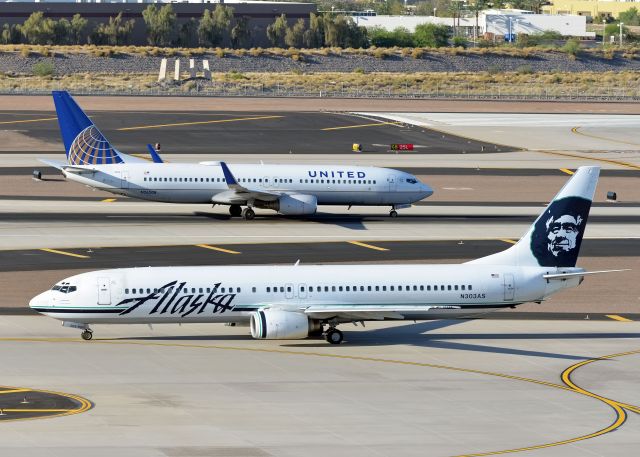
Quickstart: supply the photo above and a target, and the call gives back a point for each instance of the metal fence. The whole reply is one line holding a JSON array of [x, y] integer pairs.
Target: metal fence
[[471, 91]]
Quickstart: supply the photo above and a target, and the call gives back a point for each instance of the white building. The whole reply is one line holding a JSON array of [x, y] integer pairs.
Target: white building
[[497, 22]]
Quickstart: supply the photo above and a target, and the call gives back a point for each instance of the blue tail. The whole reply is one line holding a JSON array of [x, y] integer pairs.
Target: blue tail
[[83, 142]]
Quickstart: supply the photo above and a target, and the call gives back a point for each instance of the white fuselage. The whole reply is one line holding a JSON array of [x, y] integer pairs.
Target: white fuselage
[[231, 293], [198, 183]]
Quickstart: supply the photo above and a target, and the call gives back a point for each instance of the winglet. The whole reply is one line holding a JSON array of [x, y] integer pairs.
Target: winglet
[[228, 176], [154, 154]]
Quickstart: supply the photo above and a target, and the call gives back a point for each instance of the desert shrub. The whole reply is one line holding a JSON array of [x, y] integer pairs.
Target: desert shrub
[[219, 53], [381, 53], [572, 47], [417, 53], [43, 68], [256, 52], [359, 70], [25, 51], [524, 70], [459, 42]]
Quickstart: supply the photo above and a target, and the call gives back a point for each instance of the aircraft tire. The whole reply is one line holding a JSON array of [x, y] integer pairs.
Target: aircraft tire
[[87, 335], [248, 214], [334, 336], [393, 213], [235, 210]]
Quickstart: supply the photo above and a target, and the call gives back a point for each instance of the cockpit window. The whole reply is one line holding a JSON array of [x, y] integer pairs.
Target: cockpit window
[[412, 181], [64, 288]]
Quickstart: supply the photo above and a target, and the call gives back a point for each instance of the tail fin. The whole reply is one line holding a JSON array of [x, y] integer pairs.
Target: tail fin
[[83, 142], [555, 237], [154, 154]]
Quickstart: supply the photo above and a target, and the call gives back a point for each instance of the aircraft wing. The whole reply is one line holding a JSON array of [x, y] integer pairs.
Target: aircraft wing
[[238, 193], [378, 312], [559, 276]]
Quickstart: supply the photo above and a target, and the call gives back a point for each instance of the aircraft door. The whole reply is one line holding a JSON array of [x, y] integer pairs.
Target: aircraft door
[[302, 291], [288, 291], [104, 291], [509, 287], [391, 180]]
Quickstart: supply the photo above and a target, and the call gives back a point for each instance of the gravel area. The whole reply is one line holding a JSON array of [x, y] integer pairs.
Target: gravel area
[[125, 63]]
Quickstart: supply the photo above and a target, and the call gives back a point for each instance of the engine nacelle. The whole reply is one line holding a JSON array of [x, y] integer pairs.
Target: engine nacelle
[[279, 325], [292, 205]]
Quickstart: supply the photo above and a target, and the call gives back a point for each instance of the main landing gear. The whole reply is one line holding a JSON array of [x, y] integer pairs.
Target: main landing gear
[[87, 334], [248, 214], [334, 336], [393, 213]]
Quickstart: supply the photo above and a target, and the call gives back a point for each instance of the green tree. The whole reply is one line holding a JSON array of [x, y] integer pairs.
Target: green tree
[[294, 37], [431, 35], [213, 26], [10, 34], [160, 24], [314, 35], [630, 17], [38, 30], [241, 33], [115, 32], [62, 32], [78, 25], [188, 33], [277, 31]]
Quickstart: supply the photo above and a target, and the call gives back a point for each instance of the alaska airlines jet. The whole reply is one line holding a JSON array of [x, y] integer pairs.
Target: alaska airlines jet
[[287, 189], [291, 302]]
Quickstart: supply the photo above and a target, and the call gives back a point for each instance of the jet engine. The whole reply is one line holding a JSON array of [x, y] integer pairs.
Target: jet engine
[[292, 205], [281, 325]]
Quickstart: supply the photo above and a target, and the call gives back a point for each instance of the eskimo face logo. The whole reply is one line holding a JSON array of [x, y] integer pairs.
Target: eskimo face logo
[[557, 235]]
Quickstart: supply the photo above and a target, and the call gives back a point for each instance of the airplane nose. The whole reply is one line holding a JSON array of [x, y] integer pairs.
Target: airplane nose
[[39, 301], [426, 191]]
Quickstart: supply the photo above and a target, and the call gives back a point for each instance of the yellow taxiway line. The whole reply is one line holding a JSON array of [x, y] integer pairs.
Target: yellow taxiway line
[[215, 248], [577, 131], [29, 120], [217, 121], [108, 200], [567, 171], [369, 246], [359, 125], [615, 317], [596, 159], [508, 241], [70, 254], [14, 391]]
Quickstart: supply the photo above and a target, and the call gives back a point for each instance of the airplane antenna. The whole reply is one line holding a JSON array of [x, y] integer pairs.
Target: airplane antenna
[[297, 263]]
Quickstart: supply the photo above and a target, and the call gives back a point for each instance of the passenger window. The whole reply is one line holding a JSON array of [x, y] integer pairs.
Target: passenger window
[[268, 289], [428, 288], [326, 288], [222, 290], [133, 291], [361, 288], [238, 290], [340, 288], [301, 289], [377, 288], [448, 287], [415, 287], [455, 287], [462, 287], [369, 288], [126, 291], [469, 286], [391, 289], [348, 289], [333, 288], [281, 289], [421, 287], [384, 288]]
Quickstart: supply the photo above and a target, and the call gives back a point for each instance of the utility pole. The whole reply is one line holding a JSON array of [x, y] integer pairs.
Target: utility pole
[[621, 24], [604, 30]]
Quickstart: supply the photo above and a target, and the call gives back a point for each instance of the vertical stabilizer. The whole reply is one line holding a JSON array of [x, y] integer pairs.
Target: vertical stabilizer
[[83, 142], [555, 237]]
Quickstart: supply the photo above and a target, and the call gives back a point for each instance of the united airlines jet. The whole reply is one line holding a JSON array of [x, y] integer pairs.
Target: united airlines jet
[[287, 189], [297, 301]]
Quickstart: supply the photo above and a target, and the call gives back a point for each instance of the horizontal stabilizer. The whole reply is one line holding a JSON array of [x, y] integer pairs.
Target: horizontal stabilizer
[[581, 273]]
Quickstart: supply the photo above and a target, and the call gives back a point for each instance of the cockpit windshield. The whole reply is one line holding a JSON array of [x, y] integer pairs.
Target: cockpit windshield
[[412, 180], [64, 288]]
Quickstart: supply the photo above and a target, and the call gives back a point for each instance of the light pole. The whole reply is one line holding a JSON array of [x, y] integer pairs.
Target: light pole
[[604, 30], [434, 12], [621, 24]]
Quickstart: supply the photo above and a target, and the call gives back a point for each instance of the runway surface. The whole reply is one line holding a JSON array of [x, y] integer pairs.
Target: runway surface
[[283, 253], [446, 388], [238, 133]]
